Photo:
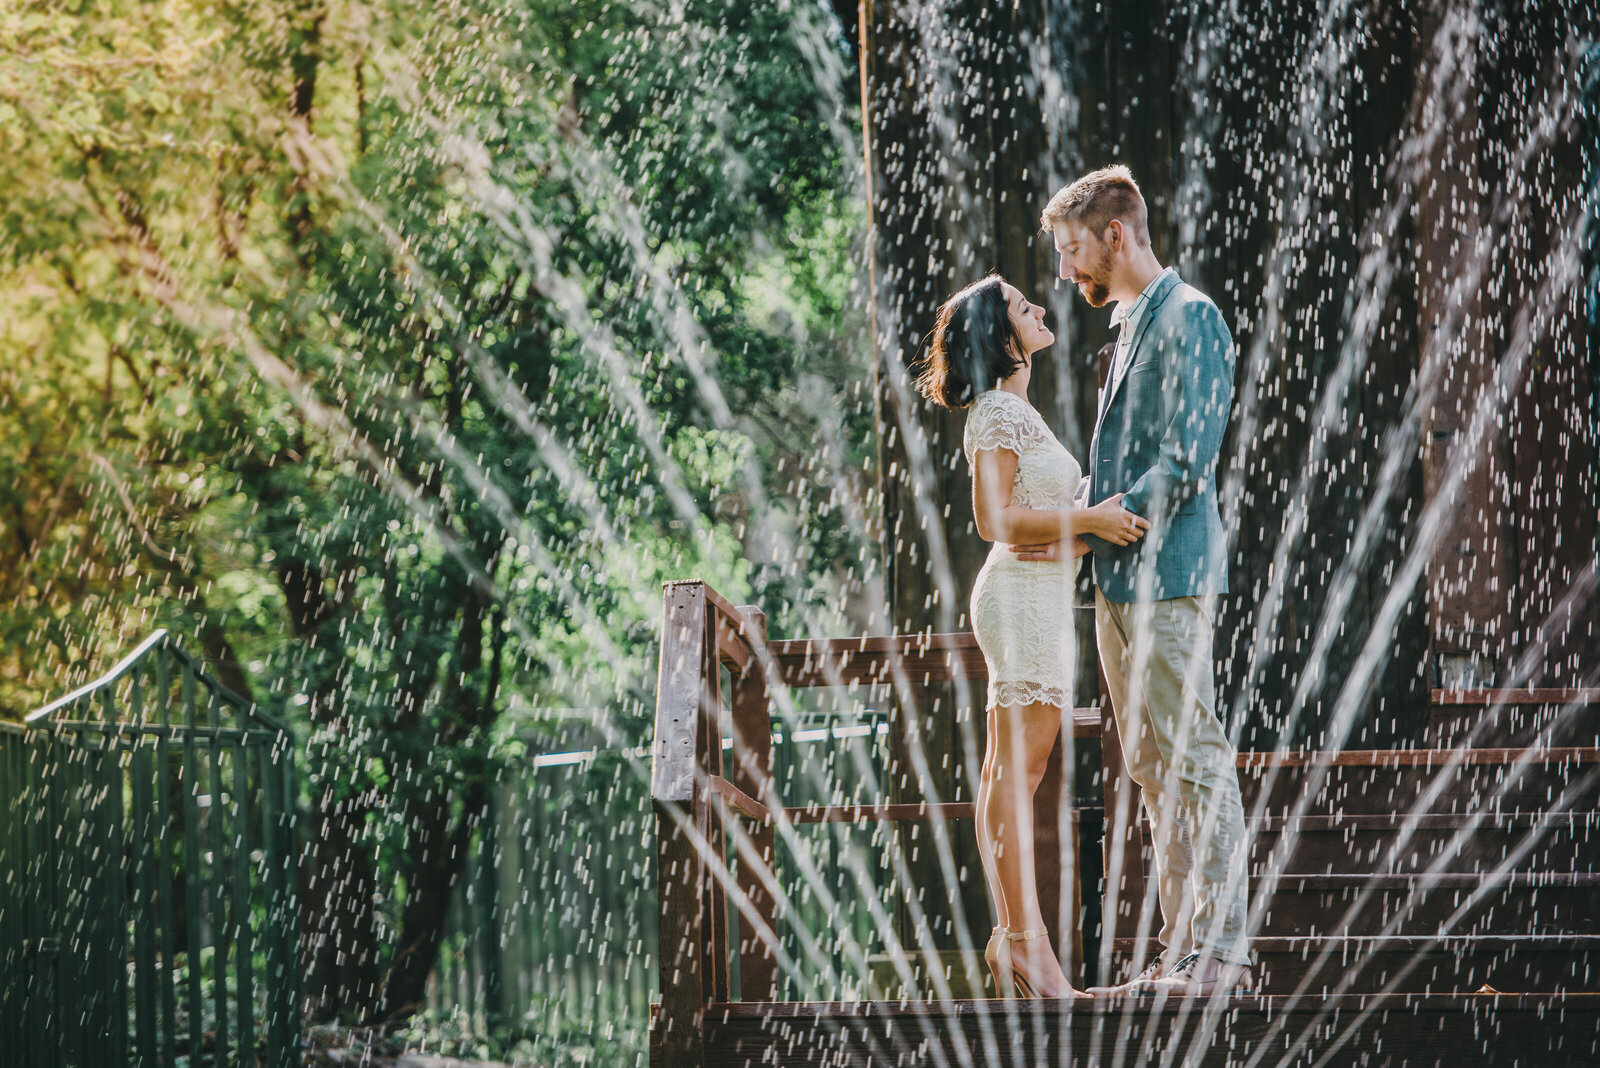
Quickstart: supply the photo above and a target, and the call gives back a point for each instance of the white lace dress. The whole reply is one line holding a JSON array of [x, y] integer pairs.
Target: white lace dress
[[1022, 610]]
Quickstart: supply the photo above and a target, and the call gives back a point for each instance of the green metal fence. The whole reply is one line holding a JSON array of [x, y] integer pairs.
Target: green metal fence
[[552, 929], [147, 912]]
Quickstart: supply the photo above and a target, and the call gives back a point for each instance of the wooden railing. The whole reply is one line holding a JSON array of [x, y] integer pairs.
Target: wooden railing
[[696, 786]]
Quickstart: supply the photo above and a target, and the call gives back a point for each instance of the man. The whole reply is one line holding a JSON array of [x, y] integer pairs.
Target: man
[[1157, 432]]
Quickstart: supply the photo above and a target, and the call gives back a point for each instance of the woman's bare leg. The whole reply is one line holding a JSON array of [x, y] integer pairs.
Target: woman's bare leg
[[1020, 741], [986, 840]]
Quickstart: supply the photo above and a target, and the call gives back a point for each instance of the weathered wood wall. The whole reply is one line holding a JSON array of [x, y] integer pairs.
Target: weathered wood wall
[[1375, 221]]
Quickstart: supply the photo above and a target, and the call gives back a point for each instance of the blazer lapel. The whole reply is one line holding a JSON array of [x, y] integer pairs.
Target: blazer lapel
[[1167, 285]]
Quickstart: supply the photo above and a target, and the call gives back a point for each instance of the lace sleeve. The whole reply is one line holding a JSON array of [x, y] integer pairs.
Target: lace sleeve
[[997, 423]]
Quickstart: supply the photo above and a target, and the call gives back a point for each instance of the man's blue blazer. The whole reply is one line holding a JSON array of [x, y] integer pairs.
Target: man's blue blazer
[[1156, 439]]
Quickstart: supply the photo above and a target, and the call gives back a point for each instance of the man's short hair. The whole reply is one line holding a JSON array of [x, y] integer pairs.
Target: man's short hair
[[1097, 198]]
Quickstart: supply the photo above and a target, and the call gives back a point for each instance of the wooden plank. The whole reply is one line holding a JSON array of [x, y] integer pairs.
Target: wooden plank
[[1055, 862], [678, 692], [1123, 901], [1417, 758], [746, 806], [1424, 963], [950, 810], [1529, 696], [1572, 943], [681, 876], [738, 800], [1419, 1004], [1484, 820], [732, 645], [752, 779], [875, 658], [1513, 880], [715, 601], [708, 817], [1295, 1031]]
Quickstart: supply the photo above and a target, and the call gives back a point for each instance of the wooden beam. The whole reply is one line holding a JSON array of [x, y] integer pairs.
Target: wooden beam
[[1415, 758], [1123, 900], [1552, 1030], [678, 693], [685, 826], [1482, 819], [752, 779], [951, 810], [839, 661], [738, 800], [1518, 697]]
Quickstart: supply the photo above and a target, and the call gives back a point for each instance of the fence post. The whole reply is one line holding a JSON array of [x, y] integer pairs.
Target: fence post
[[693, 966]]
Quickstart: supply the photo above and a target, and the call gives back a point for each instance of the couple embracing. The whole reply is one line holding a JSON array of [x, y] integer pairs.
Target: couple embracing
[[1145, 511]]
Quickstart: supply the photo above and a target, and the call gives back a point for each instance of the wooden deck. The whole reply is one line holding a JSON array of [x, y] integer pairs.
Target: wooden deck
[[1437, 905], [1547, 1031]]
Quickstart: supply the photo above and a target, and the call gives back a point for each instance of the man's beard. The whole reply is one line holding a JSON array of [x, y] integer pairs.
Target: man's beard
[[1099, 290]]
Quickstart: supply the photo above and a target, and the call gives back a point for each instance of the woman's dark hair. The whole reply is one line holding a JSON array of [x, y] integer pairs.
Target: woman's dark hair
[[972, 347]]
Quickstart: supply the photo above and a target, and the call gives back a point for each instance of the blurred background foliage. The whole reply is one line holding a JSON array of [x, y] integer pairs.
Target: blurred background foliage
[[393, 355]]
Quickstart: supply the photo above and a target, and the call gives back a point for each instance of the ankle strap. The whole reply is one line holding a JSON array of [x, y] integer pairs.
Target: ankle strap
[[1029, 935]]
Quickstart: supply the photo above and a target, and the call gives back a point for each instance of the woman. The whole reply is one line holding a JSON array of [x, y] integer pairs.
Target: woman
[[980, 356]]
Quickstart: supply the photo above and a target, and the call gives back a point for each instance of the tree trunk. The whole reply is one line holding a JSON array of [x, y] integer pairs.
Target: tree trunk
[[438, 839]]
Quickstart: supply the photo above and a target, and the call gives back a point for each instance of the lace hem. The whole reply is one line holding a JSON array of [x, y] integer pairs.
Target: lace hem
[[1002, 694]]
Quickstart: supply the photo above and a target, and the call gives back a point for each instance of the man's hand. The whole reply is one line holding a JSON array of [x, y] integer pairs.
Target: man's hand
[[1065, 549]]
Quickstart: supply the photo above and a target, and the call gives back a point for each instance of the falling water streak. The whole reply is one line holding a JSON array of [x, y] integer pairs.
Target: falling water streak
[[507, 517], [813, 878], [1344, 580], [1464, 281], [1372, 270], [864, 875], [696, 510], [498, 203], [921, 474], [1463, 834], [1430, 525], [1436, 512], [1370, 513], [691, 340], [578, 322], [1431, 522], [748, 851], [1437, 786]]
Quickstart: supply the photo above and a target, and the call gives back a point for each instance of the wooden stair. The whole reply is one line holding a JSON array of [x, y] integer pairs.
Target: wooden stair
[[1423, 871], [1391, 887]]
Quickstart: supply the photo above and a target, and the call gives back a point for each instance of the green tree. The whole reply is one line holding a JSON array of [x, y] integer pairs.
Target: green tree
[[399, 355]]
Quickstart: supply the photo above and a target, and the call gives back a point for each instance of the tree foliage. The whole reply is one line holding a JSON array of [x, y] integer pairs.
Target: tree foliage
[[396, 354]]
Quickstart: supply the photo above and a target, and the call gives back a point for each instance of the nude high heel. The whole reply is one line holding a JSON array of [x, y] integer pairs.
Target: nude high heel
[[1023, 986], [997, 954]]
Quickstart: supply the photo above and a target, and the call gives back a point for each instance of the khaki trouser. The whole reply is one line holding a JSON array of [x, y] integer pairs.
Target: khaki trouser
[[1158, 668]]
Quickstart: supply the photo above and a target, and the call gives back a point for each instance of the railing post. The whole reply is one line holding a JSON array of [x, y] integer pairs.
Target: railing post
[[752, 773], [688, 836], [1055, 854], [1124, 862]]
